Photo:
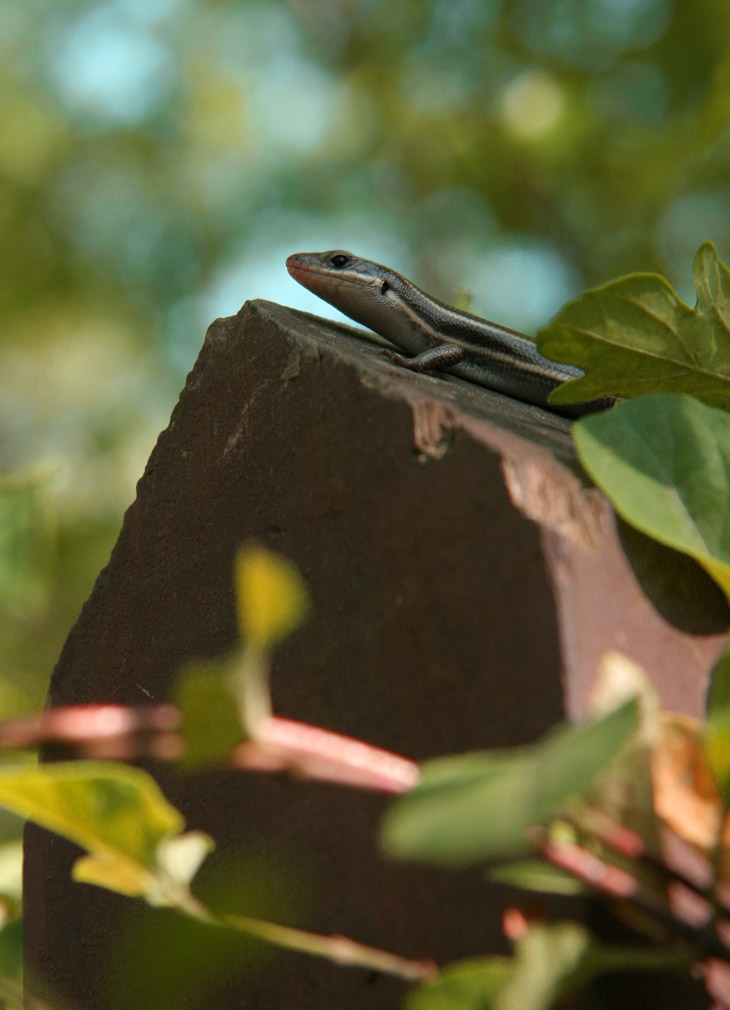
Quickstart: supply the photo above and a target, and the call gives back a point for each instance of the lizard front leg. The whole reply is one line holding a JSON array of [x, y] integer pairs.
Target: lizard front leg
[[434, 359]]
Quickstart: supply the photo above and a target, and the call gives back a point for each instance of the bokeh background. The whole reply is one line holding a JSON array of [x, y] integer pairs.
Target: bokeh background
[[159, 159]]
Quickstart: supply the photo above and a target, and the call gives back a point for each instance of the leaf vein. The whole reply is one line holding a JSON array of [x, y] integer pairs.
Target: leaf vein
[[644, 352]]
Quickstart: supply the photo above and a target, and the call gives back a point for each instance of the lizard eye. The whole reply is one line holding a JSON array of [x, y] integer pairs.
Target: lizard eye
[[384, 287], [339, 261]]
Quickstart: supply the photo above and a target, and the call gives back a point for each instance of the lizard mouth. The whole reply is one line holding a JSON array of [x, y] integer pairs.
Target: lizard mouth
[[295, 264], [302, 264], [311, 265]]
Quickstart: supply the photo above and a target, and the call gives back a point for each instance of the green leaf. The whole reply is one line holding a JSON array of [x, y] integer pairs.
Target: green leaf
[[11, 961], [718, 693], [117, 813], [549, 961], [552, 961], [664, 461], [717, 729], [178, 860], [465, 985], [210, 714], [536, 875], [98, 805], [476, 806], [635, 335]]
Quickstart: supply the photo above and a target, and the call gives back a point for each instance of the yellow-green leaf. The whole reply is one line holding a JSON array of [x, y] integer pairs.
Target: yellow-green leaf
[[270, 594], [115, 873], [102, 806]]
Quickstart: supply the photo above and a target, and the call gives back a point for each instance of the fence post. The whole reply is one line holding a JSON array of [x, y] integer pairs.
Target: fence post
[[464, 583]]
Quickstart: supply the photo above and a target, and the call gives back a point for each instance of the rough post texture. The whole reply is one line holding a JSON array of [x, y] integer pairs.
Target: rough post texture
[[438, 526]]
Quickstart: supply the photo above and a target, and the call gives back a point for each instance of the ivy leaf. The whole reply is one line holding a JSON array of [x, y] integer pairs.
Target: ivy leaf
[[664, 461], [635, 335]]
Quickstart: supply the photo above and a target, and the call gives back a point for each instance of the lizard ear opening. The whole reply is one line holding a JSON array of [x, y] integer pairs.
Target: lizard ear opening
[[384, 287]]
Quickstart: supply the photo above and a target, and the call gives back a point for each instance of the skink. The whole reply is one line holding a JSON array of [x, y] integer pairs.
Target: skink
[[439, 337]]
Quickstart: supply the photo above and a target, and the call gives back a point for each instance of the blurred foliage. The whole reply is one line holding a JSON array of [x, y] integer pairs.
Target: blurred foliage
[[474, 807], [159, 158], [270, 595]]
